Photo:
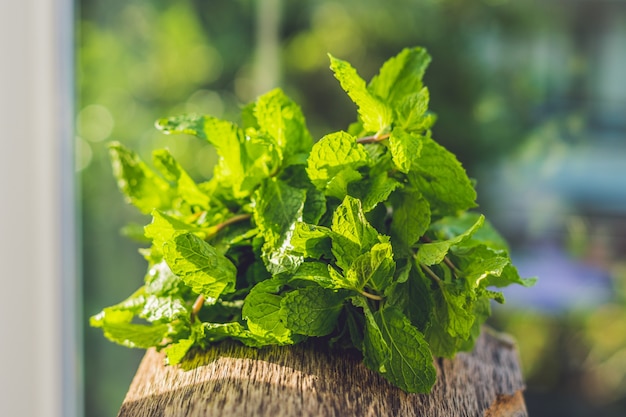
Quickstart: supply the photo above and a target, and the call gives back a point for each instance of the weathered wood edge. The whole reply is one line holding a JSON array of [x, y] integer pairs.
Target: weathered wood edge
[[303, 380]]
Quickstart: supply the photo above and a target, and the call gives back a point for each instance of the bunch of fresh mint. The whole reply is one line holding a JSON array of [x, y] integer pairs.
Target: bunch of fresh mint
[[362, 238]]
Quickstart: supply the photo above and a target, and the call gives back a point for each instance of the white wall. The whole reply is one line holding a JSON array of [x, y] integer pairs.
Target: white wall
[[39, 358]]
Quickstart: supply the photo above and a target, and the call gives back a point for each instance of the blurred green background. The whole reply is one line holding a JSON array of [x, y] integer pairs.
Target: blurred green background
[[531, 96]]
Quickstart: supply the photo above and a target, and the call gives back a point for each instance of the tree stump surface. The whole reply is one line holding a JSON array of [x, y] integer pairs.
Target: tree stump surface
[[308, 380]]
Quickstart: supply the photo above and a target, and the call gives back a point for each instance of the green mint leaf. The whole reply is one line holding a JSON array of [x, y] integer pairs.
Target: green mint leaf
[[215, 332], [400, 76], [334, 161], [396, 349], [244, 161], [263, 314], [316, 272], [225, 136], [261, 159], [311, 241], [479, 264], [141, 186], [413, 295], [353, 235], [376, 350], [442, 180], [277, 208], [373, 269], [315, 206], [481, 311], [413, 114], [509, 276], [487, 235], [200, 266], [434, 253], [283, 120], [185, 186], [375, 115], [375, 190], [160, 280], [350, 222], [175, 352], [452, 319], [410, 219], [405, 149], [116, 323], [163, 308], [165, 227], [338, 185], [312, 310], [133, 335]]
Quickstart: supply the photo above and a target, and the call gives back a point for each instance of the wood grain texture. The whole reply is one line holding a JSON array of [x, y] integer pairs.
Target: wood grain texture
[[307, 380]]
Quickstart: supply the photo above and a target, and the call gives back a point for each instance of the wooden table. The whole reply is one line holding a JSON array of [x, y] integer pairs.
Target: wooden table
[[308, 380]]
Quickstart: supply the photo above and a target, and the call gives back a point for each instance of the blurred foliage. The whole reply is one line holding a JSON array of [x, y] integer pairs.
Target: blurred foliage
[[500, 69], [574, 362]]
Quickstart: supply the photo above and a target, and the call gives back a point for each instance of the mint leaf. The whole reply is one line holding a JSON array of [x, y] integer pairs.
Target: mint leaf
[[244, 161], [163, 308], [434, 253], [352, 233], [413, 295], [375, 114], [277, 208], [263, 314], [316, 272], [448, 227], [132, 335], [200, 266], [442, 180], [185, 186], [282, 119], [400, 76], [413, 114], [215, 332], [396, 349], [452, 320], [334, 162], [311, 241], [374, 269], [479, 264], [312, 310], [165, 227], [375, 190], [510, 276], [141, 186], [225, 136], [160, 280], [410, 220], [118, 326], [176, 352], [405, 149]]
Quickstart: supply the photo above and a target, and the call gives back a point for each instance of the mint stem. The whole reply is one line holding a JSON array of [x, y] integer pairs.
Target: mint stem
[[197, 305], [232, 220], [430, 272], [371, 296], [218, 227], [445, 258], [373, 138]]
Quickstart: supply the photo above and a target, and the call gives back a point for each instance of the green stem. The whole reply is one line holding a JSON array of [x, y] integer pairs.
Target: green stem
[[373, 138], [197, 305], [430, 272], [447, 260], [235, 219], [371, 296]]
